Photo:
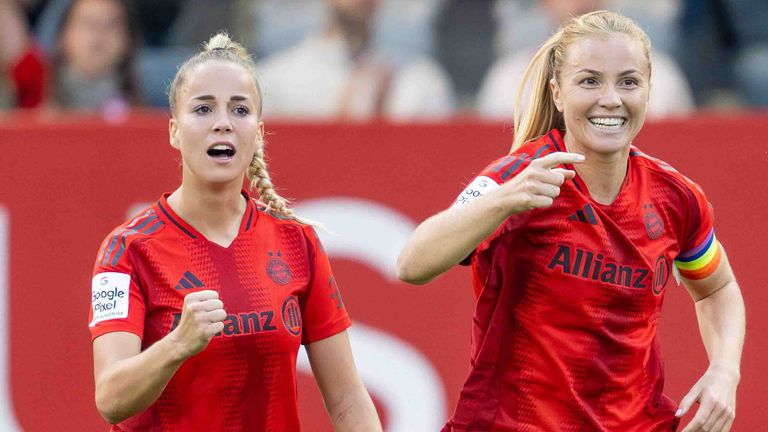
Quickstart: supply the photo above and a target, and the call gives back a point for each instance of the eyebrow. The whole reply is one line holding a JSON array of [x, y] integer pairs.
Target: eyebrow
[[211, 97], [594, 72]]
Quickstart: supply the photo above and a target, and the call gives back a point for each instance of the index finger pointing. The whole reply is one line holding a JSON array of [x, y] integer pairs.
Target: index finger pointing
[[558, 158]]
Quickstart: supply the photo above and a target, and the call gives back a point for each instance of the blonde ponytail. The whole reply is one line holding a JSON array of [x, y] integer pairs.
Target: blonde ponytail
[[539, 114]]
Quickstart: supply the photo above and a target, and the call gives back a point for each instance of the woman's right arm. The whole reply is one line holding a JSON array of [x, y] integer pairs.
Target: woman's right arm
[[445, 239], [129, 380]]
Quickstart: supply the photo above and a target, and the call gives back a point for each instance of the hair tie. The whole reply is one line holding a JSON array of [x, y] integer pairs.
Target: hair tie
[[218, 49]]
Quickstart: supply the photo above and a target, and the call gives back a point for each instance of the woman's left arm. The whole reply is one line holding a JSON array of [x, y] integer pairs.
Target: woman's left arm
[[720, 312], [346, 399]]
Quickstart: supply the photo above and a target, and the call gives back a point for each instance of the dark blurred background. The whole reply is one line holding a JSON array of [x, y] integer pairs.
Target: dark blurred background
[[403, 60]]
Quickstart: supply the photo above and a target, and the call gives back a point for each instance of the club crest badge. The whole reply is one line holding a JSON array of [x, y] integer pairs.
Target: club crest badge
[[654, 225], [277, 269]]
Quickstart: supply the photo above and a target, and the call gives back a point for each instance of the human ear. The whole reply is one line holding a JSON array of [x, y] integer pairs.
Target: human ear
[[554, 87], [173, 131], [260, 136]]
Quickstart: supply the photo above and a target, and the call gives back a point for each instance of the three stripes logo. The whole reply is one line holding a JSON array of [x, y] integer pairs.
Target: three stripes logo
[[188, 281], [145, 224], [586, 215]]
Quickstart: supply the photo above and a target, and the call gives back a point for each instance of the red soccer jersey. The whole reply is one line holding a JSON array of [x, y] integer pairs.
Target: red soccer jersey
[[569, 298], [278, 291]]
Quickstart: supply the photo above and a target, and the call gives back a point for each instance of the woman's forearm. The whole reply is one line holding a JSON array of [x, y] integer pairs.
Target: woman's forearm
[[722, 319], [446, 238], [129, 386], [357, 413]]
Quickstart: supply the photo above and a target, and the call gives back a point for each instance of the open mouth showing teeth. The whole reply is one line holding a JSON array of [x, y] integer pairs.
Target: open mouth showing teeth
[[221, 151], [608, 122]]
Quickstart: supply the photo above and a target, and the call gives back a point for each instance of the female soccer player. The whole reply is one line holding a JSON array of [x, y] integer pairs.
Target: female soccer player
[[201, 302], [572, 239]]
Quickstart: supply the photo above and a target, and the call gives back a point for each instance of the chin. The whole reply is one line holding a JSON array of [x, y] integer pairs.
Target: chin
[[604, 146], [223, 179], [606, 143]]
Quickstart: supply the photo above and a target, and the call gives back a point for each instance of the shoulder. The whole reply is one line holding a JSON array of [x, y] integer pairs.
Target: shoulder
[[420, 89], [287, 231], [663, 172], [509, 69], [422, 69], [145, 226], [310, 48], [271, 219], [497, 93], [281, 62], [670, 91], [505, 168]]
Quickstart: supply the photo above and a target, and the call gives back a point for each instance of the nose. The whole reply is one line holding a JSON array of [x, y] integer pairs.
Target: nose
[[222, 122], [610, 97]]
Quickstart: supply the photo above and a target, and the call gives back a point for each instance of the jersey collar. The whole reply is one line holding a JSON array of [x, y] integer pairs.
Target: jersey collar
[[555, 139], [166, 212]]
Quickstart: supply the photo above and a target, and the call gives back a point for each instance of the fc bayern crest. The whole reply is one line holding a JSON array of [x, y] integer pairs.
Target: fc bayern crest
[[277, 269], [654, 225]]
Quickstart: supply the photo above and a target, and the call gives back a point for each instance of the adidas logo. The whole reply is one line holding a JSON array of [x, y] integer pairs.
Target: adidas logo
[[586, 215], [188, 281]]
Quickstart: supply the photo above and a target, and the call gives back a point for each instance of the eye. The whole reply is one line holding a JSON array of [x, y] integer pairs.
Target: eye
[[629, 82], [202, 109], [590, 81], [241, 110]]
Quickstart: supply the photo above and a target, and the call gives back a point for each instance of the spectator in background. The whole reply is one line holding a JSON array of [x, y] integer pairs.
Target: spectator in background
[[93, 63], [339, 74], [22, 68], [199, 19], [402, 28], [724, 50], [670, 94]]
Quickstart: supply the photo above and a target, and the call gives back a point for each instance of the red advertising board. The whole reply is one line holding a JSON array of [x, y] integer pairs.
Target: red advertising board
[[64, 186]]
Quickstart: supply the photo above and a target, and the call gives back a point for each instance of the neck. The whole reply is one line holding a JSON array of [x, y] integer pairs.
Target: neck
[[603, 173], [356, 35], [216, 212]]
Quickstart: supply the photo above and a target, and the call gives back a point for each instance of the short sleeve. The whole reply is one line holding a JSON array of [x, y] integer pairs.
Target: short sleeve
[[491, 177], [323, 311], [117, 300], [700, 250]]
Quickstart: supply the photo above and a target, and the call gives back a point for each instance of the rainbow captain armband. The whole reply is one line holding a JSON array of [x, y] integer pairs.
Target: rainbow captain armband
[[700, 261]]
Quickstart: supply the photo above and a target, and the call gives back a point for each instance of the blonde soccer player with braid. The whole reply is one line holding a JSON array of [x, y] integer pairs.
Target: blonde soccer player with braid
[[200, 303]]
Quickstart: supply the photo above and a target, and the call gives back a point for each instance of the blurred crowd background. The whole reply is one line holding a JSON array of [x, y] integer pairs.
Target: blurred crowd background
[[402, 60]]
